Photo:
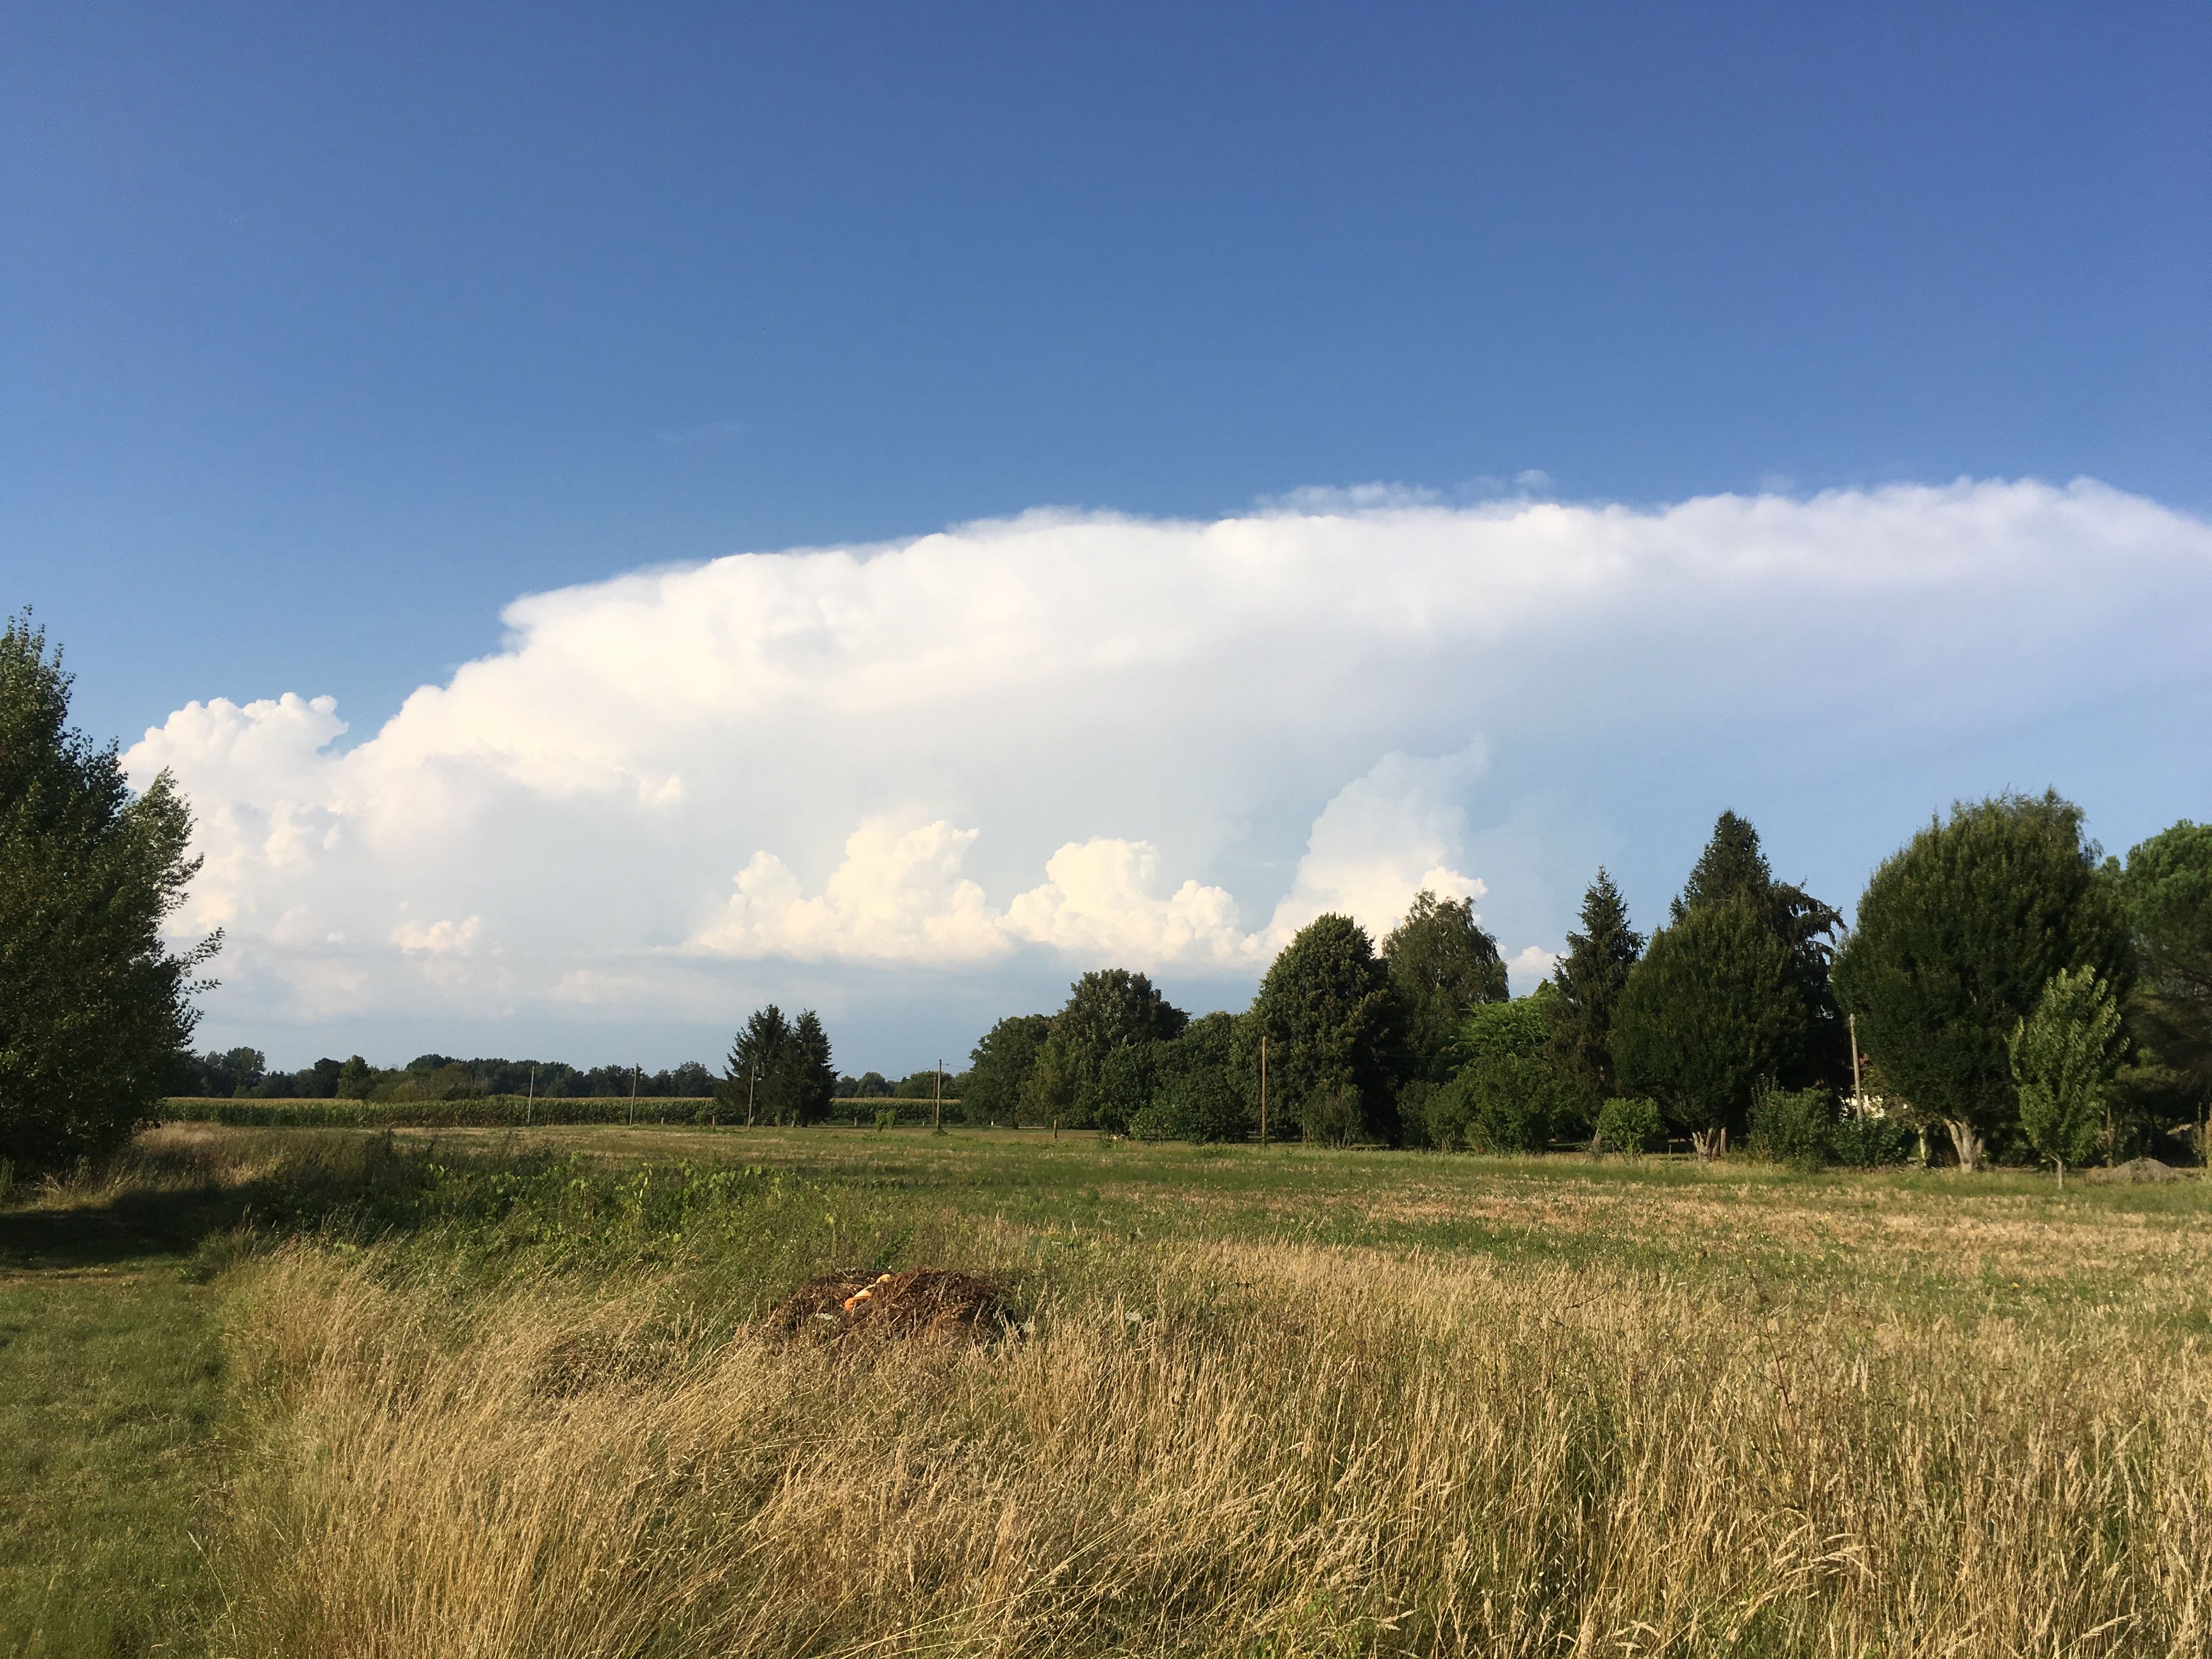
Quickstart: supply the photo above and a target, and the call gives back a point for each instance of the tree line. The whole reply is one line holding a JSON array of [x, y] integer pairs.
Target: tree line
[[2004, 992]]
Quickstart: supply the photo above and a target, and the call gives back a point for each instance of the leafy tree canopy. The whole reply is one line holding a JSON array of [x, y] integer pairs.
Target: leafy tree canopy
[[1107, 1010], [1508, 1093], [1518, 1028], [999, 1064], [94, 1009], [1442, 963], [1330, 1021], [1958, 934], [2064, 1056]]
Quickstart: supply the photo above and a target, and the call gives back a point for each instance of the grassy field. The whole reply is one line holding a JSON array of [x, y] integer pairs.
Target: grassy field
[[481, 1392]]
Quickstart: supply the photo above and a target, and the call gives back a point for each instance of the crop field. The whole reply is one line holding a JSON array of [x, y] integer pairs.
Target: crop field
[[491, 1392]]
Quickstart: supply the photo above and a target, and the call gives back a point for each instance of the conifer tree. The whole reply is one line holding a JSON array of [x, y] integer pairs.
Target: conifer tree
[[751, 1082], [1733, 869], [1958, 934], [1335, 1056], [1590, 978], [814, 1081], [1711, 1012], [1442, 963]]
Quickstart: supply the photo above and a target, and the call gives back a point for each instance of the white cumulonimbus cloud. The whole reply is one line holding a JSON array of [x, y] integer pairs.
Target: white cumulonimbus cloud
[[1024, 748]]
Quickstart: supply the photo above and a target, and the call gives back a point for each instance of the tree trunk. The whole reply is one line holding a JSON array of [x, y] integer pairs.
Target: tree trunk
[[1966, 1143]]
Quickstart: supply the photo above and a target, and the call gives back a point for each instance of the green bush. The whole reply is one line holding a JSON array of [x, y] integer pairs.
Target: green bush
[[1201, 1108], [1870, 1143], [1632, 1125], [1795, 1127], [1503, 1103]]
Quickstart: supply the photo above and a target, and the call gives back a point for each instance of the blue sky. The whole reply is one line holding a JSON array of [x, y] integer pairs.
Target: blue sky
[[330, 332]]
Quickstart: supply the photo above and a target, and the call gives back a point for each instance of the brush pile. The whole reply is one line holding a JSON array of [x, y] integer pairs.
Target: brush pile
[[922, 1304]]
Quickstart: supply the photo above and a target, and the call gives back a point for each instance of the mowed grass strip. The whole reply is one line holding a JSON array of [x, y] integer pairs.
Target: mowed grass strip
[[110, 1393]]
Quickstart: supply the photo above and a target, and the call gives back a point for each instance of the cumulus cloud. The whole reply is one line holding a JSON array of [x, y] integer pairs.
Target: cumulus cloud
[[1019, 749]]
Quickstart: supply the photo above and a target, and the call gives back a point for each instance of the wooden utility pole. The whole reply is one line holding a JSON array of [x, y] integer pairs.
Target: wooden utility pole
[[530, 1099], [1263, 1091], [937, 1097], [633, 1093], [752, 1078], [1859, 1091]]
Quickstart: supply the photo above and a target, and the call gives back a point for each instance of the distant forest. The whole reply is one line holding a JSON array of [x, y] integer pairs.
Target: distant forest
[[244, 1074]]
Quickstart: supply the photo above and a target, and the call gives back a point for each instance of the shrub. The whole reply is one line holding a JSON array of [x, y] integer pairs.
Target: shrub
[[1793, 1125], [1504, 1104], [1865, 1142], [1632, 1125]]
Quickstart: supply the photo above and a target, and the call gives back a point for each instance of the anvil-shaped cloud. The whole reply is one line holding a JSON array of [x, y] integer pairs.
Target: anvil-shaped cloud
[[1022, 748]]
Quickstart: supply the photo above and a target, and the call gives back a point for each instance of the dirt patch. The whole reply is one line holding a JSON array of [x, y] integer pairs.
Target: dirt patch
[[2137, 1170], [922, 1304]]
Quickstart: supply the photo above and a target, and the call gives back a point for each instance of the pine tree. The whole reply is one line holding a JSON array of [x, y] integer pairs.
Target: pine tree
[[1732, 866], [815, 1084], [1711, 1012], [1590, 978], [751, 1082], [1733, 869]]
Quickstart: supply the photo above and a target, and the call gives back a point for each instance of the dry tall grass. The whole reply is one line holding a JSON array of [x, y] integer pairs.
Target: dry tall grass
[[1257, 1449]]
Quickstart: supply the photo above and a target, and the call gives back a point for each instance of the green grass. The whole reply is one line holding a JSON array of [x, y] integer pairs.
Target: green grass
[[110, 1393], [117, 1295], [1933, 1241]]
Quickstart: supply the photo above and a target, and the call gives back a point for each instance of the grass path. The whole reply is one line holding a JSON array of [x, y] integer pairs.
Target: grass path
[[110, 1388]]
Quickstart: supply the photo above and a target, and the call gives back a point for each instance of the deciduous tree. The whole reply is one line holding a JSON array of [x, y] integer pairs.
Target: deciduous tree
[[999, 1064], [1107, 1010], [95, 1011], [2064, 1054]]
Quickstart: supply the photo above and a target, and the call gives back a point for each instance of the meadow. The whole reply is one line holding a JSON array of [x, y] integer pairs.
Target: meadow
[[482, 1391]]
